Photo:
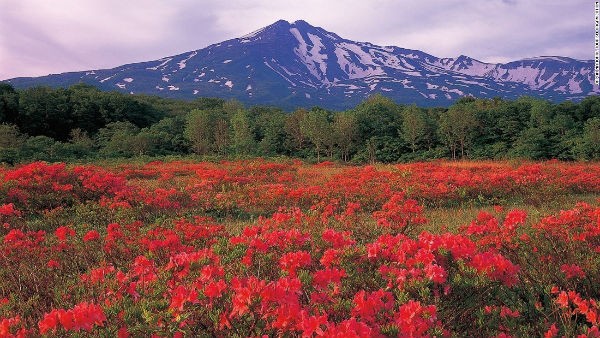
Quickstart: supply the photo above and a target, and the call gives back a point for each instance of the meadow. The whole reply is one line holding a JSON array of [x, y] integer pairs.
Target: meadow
[[285, 248]]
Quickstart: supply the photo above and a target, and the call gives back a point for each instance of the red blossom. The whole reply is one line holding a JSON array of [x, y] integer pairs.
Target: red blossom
[[84, 316], [497, 267], [53, 264], [292, 261], [9, 210], [91, 235], [552, 331], [63, 232], [572, 271]]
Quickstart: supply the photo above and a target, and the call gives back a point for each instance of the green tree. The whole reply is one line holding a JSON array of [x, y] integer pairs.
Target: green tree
[[221, 136], [199, 130], [345, 130], [414, 126], [315, 125], [269, 129], [588, 108], [378, 116], [80, 146], [39, 148], [11, 141], [208, 131], [117, 139], [457, 128], [45, 111], [532, 144], [242, 141], [540, 114], [588, 146], [380, 119], [295, 140], [9, 103], [84, 101], [169, 136]]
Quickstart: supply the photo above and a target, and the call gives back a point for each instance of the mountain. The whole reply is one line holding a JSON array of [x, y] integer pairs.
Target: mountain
[[296, 64]]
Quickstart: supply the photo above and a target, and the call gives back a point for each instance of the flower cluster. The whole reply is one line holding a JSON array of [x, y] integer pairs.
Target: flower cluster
[[253, 248]]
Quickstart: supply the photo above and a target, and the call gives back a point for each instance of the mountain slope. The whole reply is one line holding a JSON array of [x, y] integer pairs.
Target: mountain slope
[[296, 64]]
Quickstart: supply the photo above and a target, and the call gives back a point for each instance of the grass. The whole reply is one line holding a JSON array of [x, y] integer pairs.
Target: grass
[[441, 219]]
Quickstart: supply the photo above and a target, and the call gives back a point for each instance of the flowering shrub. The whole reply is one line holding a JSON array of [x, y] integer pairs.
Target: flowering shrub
[[253, 248]]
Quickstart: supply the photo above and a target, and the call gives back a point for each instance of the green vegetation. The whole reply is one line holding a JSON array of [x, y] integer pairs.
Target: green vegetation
[[82, 122]]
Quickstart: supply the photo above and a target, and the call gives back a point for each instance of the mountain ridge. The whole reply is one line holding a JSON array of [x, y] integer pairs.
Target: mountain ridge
[[299, 65]]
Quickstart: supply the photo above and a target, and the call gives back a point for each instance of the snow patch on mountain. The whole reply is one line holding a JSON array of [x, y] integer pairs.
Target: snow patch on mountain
[[182, 64], [108, 78], [279, 73], [311, 56], [466, 65], [348, 53], [574, 86], [165, 61], [526, 74], [292, 60]]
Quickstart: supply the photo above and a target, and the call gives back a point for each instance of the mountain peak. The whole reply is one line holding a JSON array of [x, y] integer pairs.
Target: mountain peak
[[279, 25], [295, 64], [307, 27], [301, 23], [280, 28]]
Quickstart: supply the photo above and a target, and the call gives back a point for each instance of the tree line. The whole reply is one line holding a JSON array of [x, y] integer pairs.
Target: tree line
[[81, 122]]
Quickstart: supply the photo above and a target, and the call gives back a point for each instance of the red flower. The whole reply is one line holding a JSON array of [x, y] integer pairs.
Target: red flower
[[53, 264], [9, 210], [62, 233], [562, 299], [48, 323], [572, 271], [311, 325], [7, 323], [514, 217], [552, 332], [497, 267], [292, 261], [83, 316], [215, 289], [91, 235], [181, 295], [123, 333]]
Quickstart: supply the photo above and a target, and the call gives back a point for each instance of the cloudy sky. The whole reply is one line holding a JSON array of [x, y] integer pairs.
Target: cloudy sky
[[39, 37]]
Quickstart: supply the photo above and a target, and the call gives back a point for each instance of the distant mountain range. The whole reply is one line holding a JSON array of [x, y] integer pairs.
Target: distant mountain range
[[298, 65]]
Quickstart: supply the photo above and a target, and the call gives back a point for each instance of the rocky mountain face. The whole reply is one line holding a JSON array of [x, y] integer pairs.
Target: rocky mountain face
[[298, 65]]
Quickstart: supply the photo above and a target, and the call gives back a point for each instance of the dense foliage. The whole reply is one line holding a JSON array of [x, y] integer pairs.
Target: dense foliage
[[251, 248], [82, 122]]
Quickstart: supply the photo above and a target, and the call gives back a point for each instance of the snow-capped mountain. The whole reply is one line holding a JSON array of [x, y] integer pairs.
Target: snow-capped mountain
[[296, 64]]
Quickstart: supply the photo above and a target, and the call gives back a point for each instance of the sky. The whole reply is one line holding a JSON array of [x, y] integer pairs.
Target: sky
[[40, 37]]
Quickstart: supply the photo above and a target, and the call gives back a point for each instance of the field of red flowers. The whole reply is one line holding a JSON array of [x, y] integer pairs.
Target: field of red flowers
[[253, 248]]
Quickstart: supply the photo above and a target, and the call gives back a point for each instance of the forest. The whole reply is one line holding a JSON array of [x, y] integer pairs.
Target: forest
[[83, 123], [207, 218]]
